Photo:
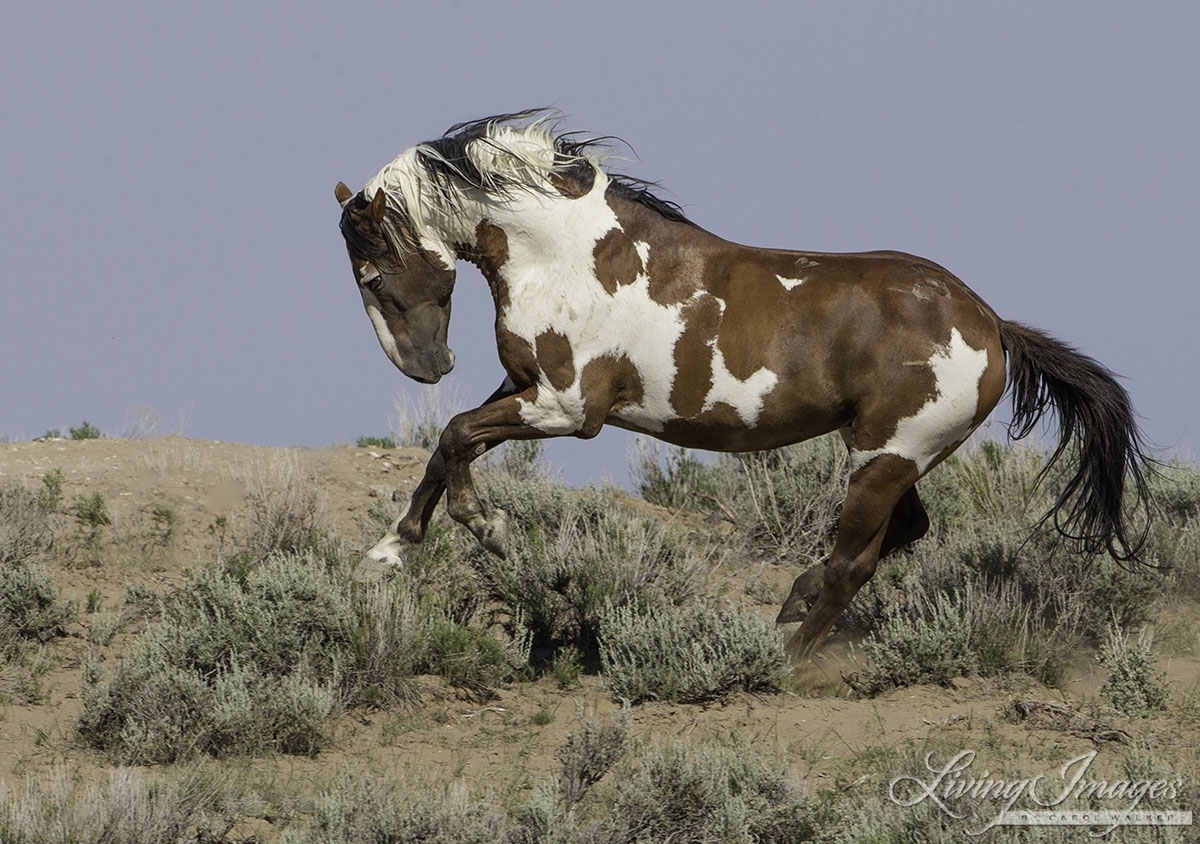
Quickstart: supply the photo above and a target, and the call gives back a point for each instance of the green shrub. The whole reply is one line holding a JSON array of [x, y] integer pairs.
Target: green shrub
[[693, 653], [356, 809], [985, 505], [1132, 686], [589, 752], [438, 572], [30, 606], [28, 519], [680, 480], [375, 442], [23, 664], [1179, 547], [1175, 490], [567, 666], [1175, 534], [1010, 635], [91, 511], [922, 634], [709, 794], [132, 806], [573, 553], [930, 643], [85, 431], [234, 666], [704, 793], [388, 644], [471, 659], [258, 659]]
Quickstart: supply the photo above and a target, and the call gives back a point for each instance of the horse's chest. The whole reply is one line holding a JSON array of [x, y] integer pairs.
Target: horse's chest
[[583, 322], [665, 355]]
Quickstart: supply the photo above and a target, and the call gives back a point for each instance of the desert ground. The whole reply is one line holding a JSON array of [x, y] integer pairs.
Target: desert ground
[[828, 739]]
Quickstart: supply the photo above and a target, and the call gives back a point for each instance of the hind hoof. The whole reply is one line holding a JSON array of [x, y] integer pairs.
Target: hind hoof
[[805, 589], [792, 612]]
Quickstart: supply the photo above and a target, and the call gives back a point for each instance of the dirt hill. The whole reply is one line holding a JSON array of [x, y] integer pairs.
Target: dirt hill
[[172, 503]]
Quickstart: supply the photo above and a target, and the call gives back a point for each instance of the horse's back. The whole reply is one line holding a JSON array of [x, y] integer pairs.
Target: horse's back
[[858, 341]]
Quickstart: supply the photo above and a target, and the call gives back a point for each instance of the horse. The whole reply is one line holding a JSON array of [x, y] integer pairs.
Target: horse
[[614, 308]]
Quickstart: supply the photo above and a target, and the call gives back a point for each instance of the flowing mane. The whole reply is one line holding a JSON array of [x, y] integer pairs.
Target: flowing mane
[[500, 155]]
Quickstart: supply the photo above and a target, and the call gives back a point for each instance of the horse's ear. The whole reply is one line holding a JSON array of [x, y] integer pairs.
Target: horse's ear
[[342, 193], [378, 207]]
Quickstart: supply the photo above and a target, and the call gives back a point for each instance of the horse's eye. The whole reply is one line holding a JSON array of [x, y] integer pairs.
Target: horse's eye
[[374, 283]]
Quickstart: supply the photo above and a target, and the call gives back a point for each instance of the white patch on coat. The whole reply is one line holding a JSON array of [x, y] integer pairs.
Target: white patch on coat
[[552, 286], [558, 412], [946, 419], [746, 397], [790, 283]]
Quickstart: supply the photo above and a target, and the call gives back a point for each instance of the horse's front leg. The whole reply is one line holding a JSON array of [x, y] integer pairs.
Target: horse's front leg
[[410, 527], [466, 437]]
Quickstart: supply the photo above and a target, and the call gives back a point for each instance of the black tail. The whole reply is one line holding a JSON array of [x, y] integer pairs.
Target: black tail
[[1094, 411]]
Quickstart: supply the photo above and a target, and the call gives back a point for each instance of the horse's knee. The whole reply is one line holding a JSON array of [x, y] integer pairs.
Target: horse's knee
[[907, 523]]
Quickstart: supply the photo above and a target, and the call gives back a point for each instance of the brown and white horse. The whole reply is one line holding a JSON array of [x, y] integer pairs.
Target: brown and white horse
[[613, 308]]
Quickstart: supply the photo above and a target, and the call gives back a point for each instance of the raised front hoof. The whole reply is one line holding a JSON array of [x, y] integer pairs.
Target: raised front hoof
[[371, 570], [494, 534], [383, 560]]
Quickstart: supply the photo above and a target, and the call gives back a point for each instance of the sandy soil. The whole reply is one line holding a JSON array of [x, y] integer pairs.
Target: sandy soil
[[827, 738]]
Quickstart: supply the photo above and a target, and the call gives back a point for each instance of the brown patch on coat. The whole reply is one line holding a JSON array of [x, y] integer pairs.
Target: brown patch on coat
[[609, 384], [517, 357], [616, 260], [718, 428], [673, 275], [555, 358], [746, 340], [489, 254], [675, 266], [693, 357], [571, 186]]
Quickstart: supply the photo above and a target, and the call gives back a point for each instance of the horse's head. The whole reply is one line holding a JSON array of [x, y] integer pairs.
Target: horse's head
[[405, 287]]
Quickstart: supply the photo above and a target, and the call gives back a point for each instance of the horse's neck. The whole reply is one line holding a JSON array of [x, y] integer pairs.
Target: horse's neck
[[534, 244]]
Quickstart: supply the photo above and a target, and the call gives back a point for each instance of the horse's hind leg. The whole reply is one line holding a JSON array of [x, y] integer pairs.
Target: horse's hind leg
[[874, 493], [908, 523]]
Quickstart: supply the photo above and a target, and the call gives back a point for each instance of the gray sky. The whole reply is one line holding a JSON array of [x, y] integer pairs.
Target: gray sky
[[169, 234]]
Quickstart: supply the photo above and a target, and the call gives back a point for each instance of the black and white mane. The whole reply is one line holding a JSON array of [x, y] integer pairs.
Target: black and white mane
[[497, 155]]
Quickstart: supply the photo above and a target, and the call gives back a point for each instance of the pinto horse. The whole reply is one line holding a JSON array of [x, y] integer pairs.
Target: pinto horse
[[613, 308]]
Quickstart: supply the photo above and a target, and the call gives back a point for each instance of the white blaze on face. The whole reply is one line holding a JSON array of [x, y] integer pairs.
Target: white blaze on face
[[790, 283], [385, 335], [946, 419]]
